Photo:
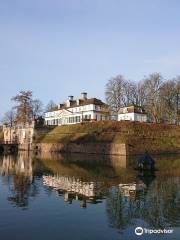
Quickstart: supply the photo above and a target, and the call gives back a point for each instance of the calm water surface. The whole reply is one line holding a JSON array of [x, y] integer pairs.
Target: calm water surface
[[87, 197]]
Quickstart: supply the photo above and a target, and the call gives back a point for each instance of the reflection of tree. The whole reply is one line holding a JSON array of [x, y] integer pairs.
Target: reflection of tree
[[18, 174], [22, 190], [164, 202], [159, 206], [120, 209]]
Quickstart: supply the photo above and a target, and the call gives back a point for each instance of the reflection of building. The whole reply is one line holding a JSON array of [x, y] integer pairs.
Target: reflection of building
[[20, 164], [74, 188], [131, 189], [76, 111], [132, 113], [18, 171]]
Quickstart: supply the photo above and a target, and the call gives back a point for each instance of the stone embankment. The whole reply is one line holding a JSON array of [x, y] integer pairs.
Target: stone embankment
[[104, 137], [90, 148], [119, 138]]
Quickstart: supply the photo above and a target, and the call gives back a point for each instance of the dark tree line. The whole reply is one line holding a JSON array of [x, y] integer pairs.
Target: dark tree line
[[158, 96]]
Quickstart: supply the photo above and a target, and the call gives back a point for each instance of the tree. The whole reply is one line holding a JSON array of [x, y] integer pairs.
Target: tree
[[9, 117], [51, 104], [131, 93], [177, 80], [115, 92], [37, 108], [24, 108], [159, 97], [152, 85], [168, 101]]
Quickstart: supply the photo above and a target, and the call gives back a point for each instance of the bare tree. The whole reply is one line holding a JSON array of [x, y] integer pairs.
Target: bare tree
[[51, 104], [177, 80], [130, 93], [141, 93], [37, 108], [159, 97], [115, 94], [151, 86], [9, 117], [168, 101], [24, 108]]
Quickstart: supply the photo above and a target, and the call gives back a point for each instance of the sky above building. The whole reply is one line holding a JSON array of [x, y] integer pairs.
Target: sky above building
[[58, 48]]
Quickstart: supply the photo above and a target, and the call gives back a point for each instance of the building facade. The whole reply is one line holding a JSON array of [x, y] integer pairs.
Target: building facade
[[20, 134], [76, 111], [132, 113]]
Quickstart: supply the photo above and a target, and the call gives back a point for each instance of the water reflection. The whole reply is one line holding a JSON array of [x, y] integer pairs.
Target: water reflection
[[17, 172], [131, 190], [74, 188], [17, 164], [158, 205], [129, 196]]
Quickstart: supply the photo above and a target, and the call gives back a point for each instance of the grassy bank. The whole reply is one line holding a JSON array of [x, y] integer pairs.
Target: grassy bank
[[138, 136], [81, 133]]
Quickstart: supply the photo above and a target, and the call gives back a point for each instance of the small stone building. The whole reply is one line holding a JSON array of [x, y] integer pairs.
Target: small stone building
[[21, 134], [132, 113]]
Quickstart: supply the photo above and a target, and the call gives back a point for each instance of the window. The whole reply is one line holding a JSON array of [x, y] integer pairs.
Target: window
[[125, 110]]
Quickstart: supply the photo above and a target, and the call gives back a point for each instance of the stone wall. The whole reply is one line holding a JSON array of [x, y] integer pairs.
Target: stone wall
[[119, 138], [109, 137], [90, 148]]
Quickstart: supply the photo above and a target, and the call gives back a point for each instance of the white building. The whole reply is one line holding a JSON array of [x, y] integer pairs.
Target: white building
[[131, 189], [132, 113], [76, 111]]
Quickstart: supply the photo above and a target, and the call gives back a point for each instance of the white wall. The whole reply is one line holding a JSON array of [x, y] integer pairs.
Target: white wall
[[133, 117], [85, 112]]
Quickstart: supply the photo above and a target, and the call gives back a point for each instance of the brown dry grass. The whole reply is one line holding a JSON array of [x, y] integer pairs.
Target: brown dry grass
[[133, 133]]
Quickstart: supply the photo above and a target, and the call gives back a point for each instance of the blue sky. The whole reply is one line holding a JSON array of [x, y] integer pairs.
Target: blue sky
[[62, 47]]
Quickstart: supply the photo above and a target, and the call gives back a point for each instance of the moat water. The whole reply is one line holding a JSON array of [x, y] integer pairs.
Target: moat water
[[87, 197]]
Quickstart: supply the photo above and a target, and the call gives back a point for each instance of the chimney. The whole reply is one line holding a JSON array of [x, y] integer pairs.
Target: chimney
[[60, 105], [69, 101], [70, 98], [78, 102], [83, 95]]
